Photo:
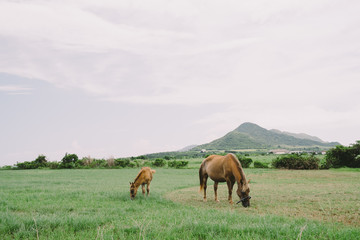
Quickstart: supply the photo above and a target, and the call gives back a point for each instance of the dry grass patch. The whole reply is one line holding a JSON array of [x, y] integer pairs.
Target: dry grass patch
[[331, 196]]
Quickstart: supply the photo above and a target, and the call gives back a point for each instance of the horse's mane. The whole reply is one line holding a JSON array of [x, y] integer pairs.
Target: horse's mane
[[239, 167], [138, 176]]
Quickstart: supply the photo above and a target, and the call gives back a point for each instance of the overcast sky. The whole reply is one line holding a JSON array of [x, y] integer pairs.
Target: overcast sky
[[123, 78]]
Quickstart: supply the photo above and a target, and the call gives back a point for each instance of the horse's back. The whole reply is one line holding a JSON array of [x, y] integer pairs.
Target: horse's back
[[218, 167], [146, 174], [217, 161]]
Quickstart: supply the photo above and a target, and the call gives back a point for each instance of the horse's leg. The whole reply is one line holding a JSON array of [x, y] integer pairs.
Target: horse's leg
[[215, 190], [143, 188], [230, 187], [205, 186]]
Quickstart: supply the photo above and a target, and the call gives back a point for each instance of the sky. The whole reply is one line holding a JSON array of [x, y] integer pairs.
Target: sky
[[125, 78]]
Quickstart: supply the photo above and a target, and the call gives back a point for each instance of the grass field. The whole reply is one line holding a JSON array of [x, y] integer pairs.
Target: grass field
[[95, 204]]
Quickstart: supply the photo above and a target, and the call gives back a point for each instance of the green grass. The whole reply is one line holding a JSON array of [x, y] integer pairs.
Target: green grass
[[328, 195], [95, 204]]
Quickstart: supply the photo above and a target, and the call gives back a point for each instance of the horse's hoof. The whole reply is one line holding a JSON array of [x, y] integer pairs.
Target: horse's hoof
[[231, 202], [217, 200], [204, 200]]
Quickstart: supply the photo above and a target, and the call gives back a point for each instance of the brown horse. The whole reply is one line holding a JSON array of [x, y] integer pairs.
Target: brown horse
[[144, 177], [225, 169]]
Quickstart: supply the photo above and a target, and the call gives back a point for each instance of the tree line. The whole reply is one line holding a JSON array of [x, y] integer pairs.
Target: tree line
[[339, 156], [72, 161]]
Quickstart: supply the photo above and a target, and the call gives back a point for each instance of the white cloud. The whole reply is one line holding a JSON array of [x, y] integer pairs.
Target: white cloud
[[219, 50], [261, 61], [253, 41], [132, 51]]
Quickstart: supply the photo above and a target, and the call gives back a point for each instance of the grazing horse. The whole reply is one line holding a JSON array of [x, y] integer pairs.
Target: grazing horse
[[144, 177], [225, 169]]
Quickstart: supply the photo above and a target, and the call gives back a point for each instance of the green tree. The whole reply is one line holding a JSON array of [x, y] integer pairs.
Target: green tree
[[342, 156], [69, 161], [40, 161]]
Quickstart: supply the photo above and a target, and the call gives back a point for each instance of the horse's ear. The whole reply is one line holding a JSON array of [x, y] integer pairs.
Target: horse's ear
[[130, 183]]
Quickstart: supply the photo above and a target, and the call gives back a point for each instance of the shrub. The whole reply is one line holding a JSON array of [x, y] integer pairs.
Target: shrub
[[132, 164], [245, 162], [181, 164], [7, 167], [138, 163], [86, 161], [172, 164], [122, 162], [146, 163], [111, 162], [39, 162], [53, 165], [25, 165], [98, 163], [324, 165], [258, 164], [311, 162], [159, 162], [295, 161], [177, 164]]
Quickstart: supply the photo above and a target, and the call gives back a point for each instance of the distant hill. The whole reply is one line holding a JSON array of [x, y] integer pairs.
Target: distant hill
[[187, 148], [251, 136], [299, 135]]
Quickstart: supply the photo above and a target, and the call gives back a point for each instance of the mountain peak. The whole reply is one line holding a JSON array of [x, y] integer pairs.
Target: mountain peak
[[248, 126]]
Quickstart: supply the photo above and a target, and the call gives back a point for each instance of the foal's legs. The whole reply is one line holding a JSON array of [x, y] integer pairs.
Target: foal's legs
[[148, 188], [230, 187], [215, 190], [143, 188]]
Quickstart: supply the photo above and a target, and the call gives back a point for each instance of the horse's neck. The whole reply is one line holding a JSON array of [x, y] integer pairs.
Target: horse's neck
[[239, 175], [137, 181]]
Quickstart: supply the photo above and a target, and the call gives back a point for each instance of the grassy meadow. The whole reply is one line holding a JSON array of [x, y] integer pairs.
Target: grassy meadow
[[95, 204]]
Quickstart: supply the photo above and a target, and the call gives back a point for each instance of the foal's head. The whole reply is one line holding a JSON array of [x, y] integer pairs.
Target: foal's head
[[133, 190], [243, 193]]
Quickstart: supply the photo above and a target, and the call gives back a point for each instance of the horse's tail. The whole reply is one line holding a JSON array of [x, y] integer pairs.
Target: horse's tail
[[201, 177]]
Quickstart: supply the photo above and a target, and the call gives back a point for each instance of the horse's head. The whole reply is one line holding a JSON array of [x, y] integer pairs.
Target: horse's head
[[133, 190], [243, 194]]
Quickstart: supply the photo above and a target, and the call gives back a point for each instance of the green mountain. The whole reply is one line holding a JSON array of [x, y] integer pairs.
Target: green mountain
[[252, 136]]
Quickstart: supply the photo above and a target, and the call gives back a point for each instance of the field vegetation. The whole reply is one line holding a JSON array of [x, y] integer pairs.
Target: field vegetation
[[95, 204]]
